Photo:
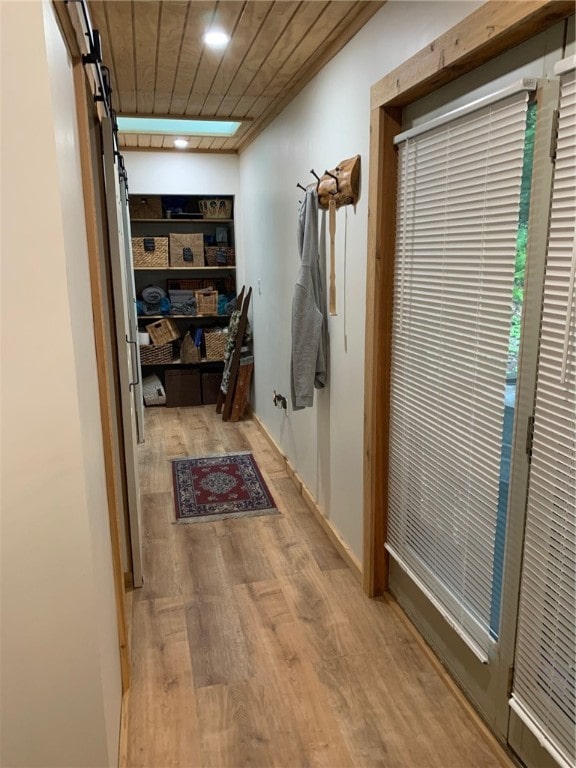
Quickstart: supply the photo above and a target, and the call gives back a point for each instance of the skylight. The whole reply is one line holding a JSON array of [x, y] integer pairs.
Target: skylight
[[177, 127]]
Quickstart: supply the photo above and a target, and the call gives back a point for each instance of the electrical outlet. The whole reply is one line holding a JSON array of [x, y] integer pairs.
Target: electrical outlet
[[280, 401]]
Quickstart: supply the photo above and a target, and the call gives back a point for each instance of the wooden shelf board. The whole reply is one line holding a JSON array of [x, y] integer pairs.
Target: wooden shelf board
[[181, 269], [181, 221], [178, 362], [179, 317]]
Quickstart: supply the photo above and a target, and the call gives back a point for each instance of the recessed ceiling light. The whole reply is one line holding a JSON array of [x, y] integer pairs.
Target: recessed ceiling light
[[216, 39], [180, 143]]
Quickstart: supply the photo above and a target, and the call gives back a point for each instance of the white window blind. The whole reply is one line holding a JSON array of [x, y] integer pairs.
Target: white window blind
[[457, 221], [543, 693]]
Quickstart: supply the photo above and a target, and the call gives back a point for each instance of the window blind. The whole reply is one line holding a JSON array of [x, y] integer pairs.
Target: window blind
[[457, 218], [543, 694]]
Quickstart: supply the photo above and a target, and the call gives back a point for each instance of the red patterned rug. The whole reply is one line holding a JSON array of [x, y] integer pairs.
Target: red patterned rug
[[217, 487]]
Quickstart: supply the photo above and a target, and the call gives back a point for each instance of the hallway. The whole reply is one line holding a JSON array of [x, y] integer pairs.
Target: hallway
[[253, 644]]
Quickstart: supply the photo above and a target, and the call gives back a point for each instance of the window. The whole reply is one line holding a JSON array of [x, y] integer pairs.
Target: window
[[459, 197]]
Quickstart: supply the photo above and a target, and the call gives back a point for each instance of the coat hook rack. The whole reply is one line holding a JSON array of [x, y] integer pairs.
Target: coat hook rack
[[338, 187], [313, 172], [301, 187]]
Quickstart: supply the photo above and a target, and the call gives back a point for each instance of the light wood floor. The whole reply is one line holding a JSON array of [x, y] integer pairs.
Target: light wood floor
[[253, 644]]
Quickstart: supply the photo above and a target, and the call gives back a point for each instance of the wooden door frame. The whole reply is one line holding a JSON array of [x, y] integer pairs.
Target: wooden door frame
[[486, 33]]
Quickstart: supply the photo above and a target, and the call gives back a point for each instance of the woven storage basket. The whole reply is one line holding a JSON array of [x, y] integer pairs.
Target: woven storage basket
[[220, 256], [215, 344], [145, 207], [207, 302], [220, 284], [186, 250], [150, 251], [215, 208], [152, 355], [186, 284], [163, 331], [189, 352]]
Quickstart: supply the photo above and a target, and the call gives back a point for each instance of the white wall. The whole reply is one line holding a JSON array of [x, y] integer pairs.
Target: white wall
[[181, 173], [61, 691], [327, 122]]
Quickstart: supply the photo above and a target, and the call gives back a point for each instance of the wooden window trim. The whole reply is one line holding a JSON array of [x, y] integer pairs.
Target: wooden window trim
[[486, 33]]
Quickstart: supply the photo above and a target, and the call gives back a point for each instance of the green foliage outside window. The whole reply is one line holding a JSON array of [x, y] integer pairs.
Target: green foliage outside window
[[521, 244]]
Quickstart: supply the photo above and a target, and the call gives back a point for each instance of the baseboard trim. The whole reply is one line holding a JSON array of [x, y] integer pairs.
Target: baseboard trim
[[343, 549], [123, 742]]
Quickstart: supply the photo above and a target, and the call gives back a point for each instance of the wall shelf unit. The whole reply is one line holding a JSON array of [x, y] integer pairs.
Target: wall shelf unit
[[215, 234]]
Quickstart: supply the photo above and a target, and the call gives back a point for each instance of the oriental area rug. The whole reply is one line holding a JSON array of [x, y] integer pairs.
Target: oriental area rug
[[218, 487]]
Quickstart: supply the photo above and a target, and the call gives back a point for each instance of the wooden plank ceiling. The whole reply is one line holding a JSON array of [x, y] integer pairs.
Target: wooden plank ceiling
[[160, 66]]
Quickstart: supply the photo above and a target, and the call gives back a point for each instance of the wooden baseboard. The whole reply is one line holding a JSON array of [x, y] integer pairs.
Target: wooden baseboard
[[123, 743], [343, 549]]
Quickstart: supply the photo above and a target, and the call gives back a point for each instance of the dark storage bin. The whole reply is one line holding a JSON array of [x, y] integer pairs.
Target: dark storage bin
[[210, 387], [145, 206], [182, 388]]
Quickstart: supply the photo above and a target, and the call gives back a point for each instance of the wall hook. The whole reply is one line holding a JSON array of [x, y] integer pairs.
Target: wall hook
[[327, 173], [301, 187], [313, 172]]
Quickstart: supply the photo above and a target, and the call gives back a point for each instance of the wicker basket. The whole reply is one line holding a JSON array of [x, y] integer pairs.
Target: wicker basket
[[145, 207], [215, 344], [150, 251], [152, 355], [186, 250], [220, 256], [215, 208], [221, 284], [206, 302], [163, 331], [186, 284], [189, 352]]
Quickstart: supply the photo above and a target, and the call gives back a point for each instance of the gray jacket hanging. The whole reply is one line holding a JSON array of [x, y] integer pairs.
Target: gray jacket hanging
[[309, 347]]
